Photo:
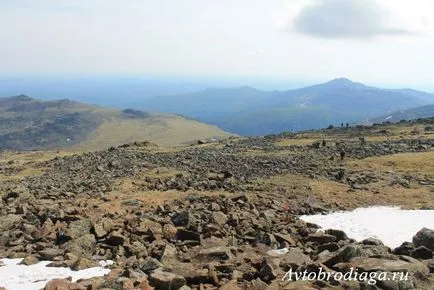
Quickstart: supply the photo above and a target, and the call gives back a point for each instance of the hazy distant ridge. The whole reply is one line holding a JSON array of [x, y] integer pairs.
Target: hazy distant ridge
[[249, 111]]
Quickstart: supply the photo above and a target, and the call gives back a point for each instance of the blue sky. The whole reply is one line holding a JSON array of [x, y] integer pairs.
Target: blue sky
[[374, 41]]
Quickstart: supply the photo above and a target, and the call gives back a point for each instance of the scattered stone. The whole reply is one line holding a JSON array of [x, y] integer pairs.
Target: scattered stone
[[245, 237]]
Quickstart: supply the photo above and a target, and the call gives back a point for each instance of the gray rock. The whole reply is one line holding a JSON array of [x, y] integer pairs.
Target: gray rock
[[115, 239], [150, 227], [83, 245], [166, 280], [422, 253], [9, 222], [258, 284], [186, 235], [231, 285], [405, 249], [29, 260], [222, 252], [285, 238], [295, 258], [219, 218], [102, 227], [351, 251], [150, 264], [50, 254], [79, 228], [424, 237], [340, 235], [406, 264], [268, 270], [184, 219], [372, 241], [321, 238]]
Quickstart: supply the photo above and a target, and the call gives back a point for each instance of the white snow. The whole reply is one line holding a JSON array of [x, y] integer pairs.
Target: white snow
[[34, 277], [390, 117], [392, 225], [278, 252]]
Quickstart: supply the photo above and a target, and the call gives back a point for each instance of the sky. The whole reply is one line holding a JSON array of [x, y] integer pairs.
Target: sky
[[372, 41]]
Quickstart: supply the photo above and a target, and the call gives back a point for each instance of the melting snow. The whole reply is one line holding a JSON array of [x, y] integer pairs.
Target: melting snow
[[391, 225], [34, 277]]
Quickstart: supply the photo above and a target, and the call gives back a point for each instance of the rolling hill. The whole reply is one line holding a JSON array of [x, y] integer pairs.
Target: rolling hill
[[409, 114], [248, 111], [30, 124]]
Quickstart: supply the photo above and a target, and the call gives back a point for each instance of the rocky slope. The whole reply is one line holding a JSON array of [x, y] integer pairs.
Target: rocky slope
[[210, 216], [30, 124]]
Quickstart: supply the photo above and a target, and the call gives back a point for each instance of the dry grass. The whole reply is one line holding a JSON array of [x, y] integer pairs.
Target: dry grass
[[396, 132], [301, 141], [163, 130], [421, 163], [28, 172], [339, 194], [26, 161], [128, 190], [280, 153], [32, 156]]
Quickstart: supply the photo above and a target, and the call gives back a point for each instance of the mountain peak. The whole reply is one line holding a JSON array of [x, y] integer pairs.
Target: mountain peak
[[21, 98], [14, 101], [341, 81]]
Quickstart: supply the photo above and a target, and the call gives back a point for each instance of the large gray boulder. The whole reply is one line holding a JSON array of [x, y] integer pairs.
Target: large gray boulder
[[424, 237]]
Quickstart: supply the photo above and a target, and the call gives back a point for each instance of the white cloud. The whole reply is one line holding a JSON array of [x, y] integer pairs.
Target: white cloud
[[357, 19], [345, 19]]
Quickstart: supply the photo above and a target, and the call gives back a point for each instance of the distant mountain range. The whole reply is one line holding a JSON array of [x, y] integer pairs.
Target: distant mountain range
[[409, 114], [248, 111], [29, 124]]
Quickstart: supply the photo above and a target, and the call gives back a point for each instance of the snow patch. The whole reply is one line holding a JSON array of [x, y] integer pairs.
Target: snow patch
[[391, 225], [34, 277], [390, 117]]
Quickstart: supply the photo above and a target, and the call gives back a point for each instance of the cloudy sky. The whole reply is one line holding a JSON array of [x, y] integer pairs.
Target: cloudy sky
[[373, 41]]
